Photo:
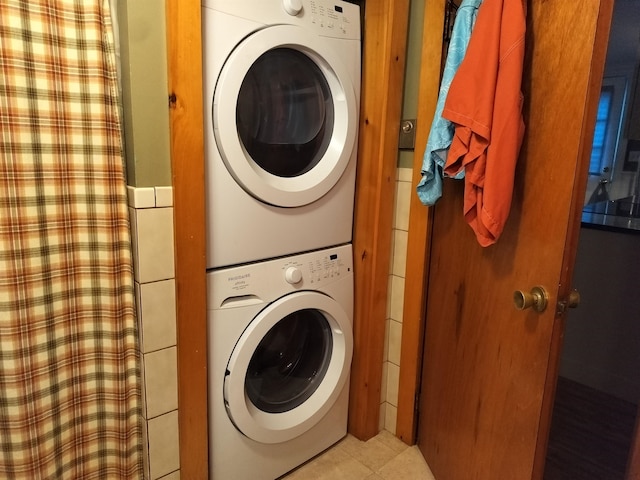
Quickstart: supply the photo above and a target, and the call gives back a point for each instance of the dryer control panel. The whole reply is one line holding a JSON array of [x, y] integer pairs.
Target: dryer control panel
[[328, 18], [334, 17]]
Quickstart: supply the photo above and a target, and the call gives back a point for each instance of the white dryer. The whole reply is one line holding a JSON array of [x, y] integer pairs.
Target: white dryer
[[280, 349], [281, 94]]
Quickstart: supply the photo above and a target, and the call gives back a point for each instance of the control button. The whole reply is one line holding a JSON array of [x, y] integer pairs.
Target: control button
[[292, 7], [293, 275]]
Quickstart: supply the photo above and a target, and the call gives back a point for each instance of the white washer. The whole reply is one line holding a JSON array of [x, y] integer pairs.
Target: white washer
[[281, 94], [280, 349]]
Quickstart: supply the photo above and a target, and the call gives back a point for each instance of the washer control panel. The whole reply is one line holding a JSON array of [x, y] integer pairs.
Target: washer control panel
[[256, 283]]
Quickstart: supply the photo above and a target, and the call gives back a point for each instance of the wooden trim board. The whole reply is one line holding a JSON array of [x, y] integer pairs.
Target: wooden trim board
[[419, 229], [187, 157], [385, 41]]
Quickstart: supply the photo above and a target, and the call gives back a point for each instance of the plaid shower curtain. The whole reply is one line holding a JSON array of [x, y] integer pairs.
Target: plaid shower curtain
[[69, 371]]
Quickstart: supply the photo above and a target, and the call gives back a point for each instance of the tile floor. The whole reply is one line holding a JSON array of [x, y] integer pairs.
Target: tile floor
[[384, 457]]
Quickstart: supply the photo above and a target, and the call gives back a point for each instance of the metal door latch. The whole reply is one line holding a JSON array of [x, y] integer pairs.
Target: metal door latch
[[407, 137]]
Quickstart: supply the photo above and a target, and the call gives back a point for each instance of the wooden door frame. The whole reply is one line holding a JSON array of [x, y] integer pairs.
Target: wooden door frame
[[184, 58], [633, 464], [384, 57], [386, 24], [419, 238]]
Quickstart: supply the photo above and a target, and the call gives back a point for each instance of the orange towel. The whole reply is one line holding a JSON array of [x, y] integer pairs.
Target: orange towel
[[485, 104]]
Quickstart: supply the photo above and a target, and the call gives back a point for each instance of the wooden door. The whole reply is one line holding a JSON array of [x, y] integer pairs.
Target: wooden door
[[489, 370], [633, 462]]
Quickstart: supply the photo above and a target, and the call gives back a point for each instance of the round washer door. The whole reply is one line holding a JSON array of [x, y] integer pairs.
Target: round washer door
[[288, 367], [285, 116]]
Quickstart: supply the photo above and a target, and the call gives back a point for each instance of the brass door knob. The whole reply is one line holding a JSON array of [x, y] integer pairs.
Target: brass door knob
[[536, 299], [572, 301]]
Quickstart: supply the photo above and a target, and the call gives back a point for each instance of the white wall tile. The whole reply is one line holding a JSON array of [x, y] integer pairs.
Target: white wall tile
[[145, 454], [164, 457], [382, 416], [143, 392], [161, 381], [395, 341], [138, 309], [404, 174], [396, 199], [393, 247], [134, 240], [172, 476], [383, 386], [154, 271], [158, 315], [389, 295], [400, 252], [393, 377], [138, 197], [155, 259], [391, 418], [403, 199], [397, 298], [164, 196], [385, 354]]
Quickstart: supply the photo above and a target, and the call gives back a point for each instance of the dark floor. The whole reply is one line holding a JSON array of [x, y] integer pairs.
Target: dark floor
[[590, 435]]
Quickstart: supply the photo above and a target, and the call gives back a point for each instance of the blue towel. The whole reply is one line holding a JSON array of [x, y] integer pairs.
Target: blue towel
[[435, 155]]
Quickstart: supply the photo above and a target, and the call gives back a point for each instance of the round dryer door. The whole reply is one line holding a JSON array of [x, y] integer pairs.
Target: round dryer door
[[288, 367], [285, 116]]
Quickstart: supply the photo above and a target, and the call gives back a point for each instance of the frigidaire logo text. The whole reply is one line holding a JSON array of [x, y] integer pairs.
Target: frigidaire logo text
[[239, 277]]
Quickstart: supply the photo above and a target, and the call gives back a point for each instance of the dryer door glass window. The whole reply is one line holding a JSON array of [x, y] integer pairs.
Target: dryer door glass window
[[290, 362], [285, 113]]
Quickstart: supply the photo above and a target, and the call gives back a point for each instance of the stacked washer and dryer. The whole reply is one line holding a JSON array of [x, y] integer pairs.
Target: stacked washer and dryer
[[282, 87]]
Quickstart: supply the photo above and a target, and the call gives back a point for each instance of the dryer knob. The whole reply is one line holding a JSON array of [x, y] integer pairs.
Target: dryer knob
[[292, 7], [293, 275]]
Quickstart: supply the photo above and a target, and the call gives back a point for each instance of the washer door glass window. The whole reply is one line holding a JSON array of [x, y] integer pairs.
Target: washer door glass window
[[288, 367], [285, 113], [290, 362]]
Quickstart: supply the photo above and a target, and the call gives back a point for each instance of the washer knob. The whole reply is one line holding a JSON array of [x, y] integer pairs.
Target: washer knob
[[292, 7], [293, 275]]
